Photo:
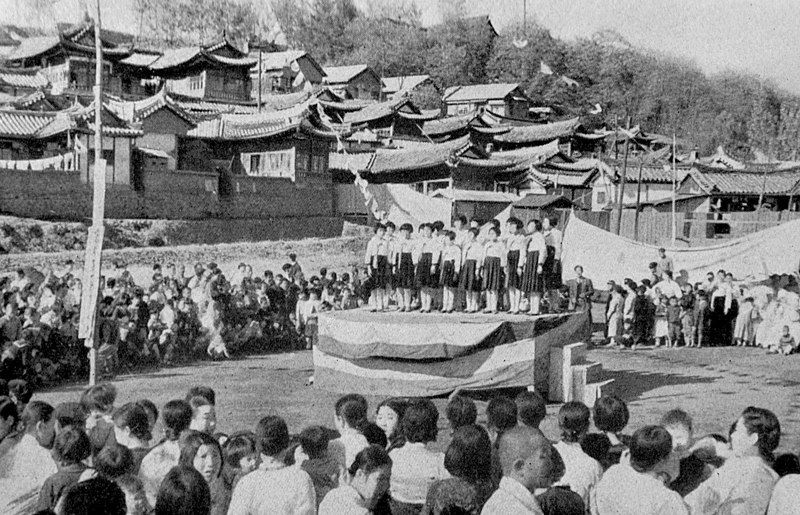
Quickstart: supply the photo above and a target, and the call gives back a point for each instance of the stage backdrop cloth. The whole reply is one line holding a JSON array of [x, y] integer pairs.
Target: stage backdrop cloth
[[606, 256], [428, 355]]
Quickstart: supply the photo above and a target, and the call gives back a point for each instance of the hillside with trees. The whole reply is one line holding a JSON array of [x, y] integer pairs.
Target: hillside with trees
[[663, 94]]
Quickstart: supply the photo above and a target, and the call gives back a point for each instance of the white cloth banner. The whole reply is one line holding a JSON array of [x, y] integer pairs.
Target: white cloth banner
[[606, 256], [62, 162]]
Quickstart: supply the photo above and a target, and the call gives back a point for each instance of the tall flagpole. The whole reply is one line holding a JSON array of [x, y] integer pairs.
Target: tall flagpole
[[674, 189]]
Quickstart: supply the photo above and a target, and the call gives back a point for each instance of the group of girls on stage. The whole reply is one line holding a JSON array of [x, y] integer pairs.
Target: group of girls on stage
[[456, 269]]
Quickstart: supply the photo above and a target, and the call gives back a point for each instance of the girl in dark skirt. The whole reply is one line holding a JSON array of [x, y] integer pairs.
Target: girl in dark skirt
[[377, 262], [493, 263], [451, 266], [536, 249], [427, 257], [404, 267], [516, 259], [470, 279]]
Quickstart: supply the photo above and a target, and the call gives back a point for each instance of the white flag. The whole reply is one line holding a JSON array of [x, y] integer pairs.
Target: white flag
[[596, 109], [544, 69]]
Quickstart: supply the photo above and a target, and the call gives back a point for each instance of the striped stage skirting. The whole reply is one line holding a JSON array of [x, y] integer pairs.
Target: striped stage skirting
[[412, 354]]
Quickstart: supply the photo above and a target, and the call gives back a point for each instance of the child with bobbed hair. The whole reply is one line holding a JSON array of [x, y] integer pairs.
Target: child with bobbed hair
[[610, 417], [461, 411], [70, 448], [531, 408], [176, 415], [582, 472], [132, 430], [312, 454], [98, 401]]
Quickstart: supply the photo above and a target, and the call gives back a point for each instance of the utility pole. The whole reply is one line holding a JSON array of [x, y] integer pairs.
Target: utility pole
[[94, 243], [674, 189], [259, 75], [624, 174], [638, 200]]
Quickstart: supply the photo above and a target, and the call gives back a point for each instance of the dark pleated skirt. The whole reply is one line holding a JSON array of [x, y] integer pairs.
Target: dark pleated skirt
[[514, 278], [405, 271], [492, 274], [383, 272], [468, 280], [551, 270], [448, 277], [531, 279], [424, 277]]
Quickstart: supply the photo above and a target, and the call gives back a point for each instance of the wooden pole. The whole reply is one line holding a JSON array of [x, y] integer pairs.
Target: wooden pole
[[259, 76], [98, 209], [638, 200], [674, 189], [624, 179]]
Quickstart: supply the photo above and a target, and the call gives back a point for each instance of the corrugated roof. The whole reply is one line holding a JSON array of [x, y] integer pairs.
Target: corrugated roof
[[22, 78], [459, 195], [539, 132], [393, 85], [343, 74], [743, 182], [533, 201], [456, 94], [418, 157]]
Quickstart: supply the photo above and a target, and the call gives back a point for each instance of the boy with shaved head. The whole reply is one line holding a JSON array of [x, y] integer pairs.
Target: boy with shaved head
[[527, 459]]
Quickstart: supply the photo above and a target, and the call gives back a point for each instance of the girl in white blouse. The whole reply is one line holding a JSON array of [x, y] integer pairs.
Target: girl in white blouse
[[470, 278], [451, 266], [494, 261]]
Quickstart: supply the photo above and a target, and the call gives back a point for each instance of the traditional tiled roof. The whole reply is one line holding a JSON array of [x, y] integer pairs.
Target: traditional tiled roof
[[392, 85], [721, 159], [460, 195], [196, 106], [416, 158], [344, 74], [271, 61], [533, 201], [140, 109], [31, 47], [447, 125], [20, 78], [250, 126], [187, 55], [521, 159], [341, 161], [21, 124], [424, 115], [474, 92], [654, 174], [379, 110], [140, 59], [539, 132], [562, 175], [746, 182], [152, 152]]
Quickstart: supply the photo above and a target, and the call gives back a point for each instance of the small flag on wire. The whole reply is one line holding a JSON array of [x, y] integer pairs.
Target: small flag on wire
[[544, 69]]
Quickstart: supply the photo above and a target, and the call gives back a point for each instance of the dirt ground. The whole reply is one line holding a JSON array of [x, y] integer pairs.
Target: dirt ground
[[712, 384]]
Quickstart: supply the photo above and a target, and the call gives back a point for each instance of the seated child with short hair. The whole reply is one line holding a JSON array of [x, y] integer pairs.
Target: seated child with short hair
[[786, 344]]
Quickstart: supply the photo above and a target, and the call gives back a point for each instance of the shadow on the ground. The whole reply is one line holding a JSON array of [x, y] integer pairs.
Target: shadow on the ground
[[629, 385]]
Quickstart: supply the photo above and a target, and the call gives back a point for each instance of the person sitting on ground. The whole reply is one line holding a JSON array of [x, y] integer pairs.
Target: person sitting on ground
[[582, 472], [611, 416], [786, 344], [204, 417], [528, 461], [388, 417], [183, 491], [92, 496], [743, 485], [132, 430], [531, 409], [366, 482], [415, 467], [98, 401], [70, 449], [468, 459], [461, 411], [350, 416], [637, 488], [201, 451], [784, 495], [692, 470], [597, 446], [274, 487], [501, 415], [177, 414], [313, 457]]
